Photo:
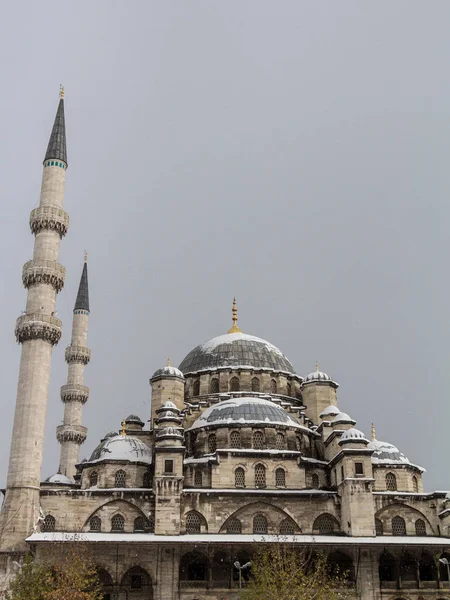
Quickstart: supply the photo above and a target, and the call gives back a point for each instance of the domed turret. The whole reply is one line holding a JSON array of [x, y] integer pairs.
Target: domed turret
[[319, 394], [353, 435], [167, 386], [167, 372]]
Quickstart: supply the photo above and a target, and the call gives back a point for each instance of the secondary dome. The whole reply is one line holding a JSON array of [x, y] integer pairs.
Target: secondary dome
[[236, 349], [60, 479], [122, 447], [244, 411], [168, 371], [385, 453]]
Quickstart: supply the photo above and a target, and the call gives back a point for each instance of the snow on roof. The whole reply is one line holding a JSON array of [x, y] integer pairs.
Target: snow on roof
[[343, 418], [354, 435], [122, 447], [228, 338], [329, 411], [168, 371], [388, 454], [60, 479]]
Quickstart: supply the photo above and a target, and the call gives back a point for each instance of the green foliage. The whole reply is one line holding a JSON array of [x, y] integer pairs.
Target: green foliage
[[281, 571], [66, 573]]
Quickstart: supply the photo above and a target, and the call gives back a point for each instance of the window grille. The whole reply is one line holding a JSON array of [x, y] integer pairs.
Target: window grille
[[256, 385], [391, 482], [193, 523], [325, 524], [287, 527], [280, 478], [49, 523], [315, 481], [93, 478], [260, 476], [214, 386], [258, 440], [95, 524], [398, 526], [239, 477], [415, 484], [234, 526], [234, 384], [196, 388], [420, 527], [279, 441], [260, 524], [273, 386], [212, 443], [146, 481], [120, 479], [117, 523], [198, 478], [235, 439], [378, 527], [139, 524]]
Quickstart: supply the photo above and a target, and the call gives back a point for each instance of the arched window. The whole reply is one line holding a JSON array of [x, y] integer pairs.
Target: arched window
[[258, 440], [315, 481], [234, 384], [117, 523], [398, 526], [120, 479], [378, 527], [95, 524], [391, 482], [260, 476], [260, 524], [194, 522], [298, 443], [239, 477], [212, 443], [387, 567], [325, 524], [280, 442], [220, 569], [49, 523], [427, 568], [235, 439], [196, 388], [255, 385], [288, 389], [193, 568], [420, 527], [280, 477], [214, 386], [139, 524], [198, 478], [93, 478], [415, 484], [234, 526], [146, 480], [273, 386], [287, 527], [408, 568]]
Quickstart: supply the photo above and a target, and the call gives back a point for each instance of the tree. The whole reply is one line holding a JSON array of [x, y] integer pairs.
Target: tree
[[66, 573], [280, 571]]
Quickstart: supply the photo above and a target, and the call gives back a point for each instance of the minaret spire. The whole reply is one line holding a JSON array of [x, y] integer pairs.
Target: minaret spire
[[38, 330], [75, 394]]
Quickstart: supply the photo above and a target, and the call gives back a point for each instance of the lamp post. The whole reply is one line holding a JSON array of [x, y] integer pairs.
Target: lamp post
[[445, 562], [238, 566]]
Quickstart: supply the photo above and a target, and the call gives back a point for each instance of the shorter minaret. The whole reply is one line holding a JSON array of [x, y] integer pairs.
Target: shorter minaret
[[74, 394]]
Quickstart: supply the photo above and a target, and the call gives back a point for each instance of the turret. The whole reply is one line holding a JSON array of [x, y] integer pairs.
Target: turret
[[75, 394], [318, 392], [167, 385], [38, 330]]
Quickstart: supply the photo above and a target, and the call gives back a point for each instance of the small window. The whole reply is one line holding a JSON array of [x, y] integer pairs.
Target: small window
[[53, 163], [214, 386], [415, 484], [260, 476], [288, 389], [193, 523], [239, 477], [234, 526], [139, 524], [378, 527], [260, 524], [287, 527], [273, 386], [255, 385], [95, 524], [398, 526], [93, 479], [212, 443], [49, 523], [120, 479], [258, 440], [234, 384], [280, 478], [298, 443], [315, 481], [168, 466], [279, 441], [359, 468], [198, 478], [325, 524], [420, 527], [196, 388], [391, 482], [235, 439], [146, 480], [342, 473], [117, 523]]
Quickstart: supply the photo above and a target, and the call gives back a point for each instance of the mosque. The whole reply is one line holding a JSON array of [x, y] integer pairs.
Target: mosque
[[237, 450]]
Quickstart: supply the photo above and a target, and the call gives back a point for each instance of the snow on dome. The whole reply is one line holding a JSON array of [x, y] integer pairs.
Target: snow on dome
[[342, 418], [60, 479], [385, 453], [168, 371], [122, 447], [330, 411], [317, 376], [353, 434], [236, 350], [169, 405], [244, 410], [109, 435], [171, 432], [134, 419]]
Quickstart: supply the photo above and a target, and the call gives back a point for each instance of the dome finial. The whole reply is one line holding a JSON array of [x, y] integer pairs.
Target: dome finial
[[61, 91], [373, 432], [168, 361], [123, 432], [234, 328], [85, 256], [317, 366]]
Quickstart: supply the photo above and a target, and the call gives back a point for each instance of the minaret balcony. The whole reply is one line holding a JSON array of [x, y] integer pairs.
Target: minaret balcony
[[38, 326], [50, 218], [78, 354], [71, 433], [74, 392], [44, 271]]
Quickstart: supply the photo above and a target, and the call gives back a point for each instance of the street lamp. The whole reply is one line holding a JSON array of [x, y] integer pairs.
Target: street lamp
[[240, 568], [445, 562]]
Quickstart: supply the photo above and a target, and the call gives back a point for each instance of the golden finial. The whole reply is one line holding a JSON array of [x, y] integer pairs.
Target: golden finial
[[168, 361], [234, 328], [317, 366], [61, 91], [123, 432], [373, 432], [85, 256]]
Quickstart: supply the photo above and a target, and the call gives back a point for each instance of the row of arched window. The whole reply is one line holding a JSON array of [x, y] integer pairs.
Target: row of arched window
[[410, 571], [235, 386], [258, 441], [259, 477], [399, 526], [117, 524], [391, 483], [120, 479]]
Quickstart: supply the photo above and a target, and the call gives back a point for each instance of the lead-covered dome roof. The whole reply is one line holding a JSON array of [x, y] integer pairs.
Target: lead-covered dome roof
[[386, 453], [122, 447], [244, 411], [236, 350]]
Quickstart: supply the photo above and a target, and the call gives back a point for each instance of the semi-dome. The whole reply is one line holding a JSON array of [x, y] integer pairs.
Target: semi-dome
[[168, 371], [386, 453], [122, 447], [236, 349], [244, 411]]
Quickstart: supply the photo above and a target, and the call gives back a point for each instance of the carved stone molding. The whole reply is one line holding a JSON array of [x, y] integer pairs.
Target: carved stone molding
[[44, 271], [38, 326], [78, 354], [74, 392], [49, 217], [71, 433]]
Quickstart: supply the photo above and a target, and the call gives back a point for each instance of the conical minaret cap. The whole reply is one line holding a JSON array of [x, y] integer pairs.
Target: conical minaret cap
[[57, 144], [82, 301]]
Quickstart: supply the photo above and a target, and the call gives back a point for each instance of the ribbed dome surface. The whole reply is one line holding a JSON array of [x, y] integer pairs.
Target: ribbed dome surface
[[384, 452], [122, 447], [168, 371], [236, 350]]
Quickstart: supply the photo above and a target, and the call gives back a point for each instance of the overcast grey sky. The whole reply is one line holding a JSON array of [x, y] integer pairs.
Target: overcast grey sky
[[294, 154]]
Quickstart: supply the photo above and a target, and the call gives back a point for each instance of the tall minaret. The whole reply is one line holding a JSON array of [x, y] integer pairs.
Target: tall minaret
[[38, 330], [74, 394]]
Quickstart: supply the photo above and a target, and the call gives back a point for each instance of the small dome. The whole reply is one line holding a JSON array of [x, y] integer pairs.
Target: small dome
[[330, 411], [60, 479], [236, 350], [353, 434], [168, 371], [134, 419], [169, 405], [122, 447], [244, 410], [385, 453], [343, 418], [108, 435], [317, 376], [169, 432]]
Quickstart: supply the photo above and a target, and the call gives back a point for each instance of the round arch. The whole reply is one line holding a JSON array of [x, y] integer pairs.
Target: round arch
[[137, 579], [274, 515]]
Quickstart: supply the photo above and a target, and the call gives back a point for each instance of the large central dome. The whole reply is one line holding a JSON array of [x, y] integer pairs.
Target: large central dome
[[236, 350]]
